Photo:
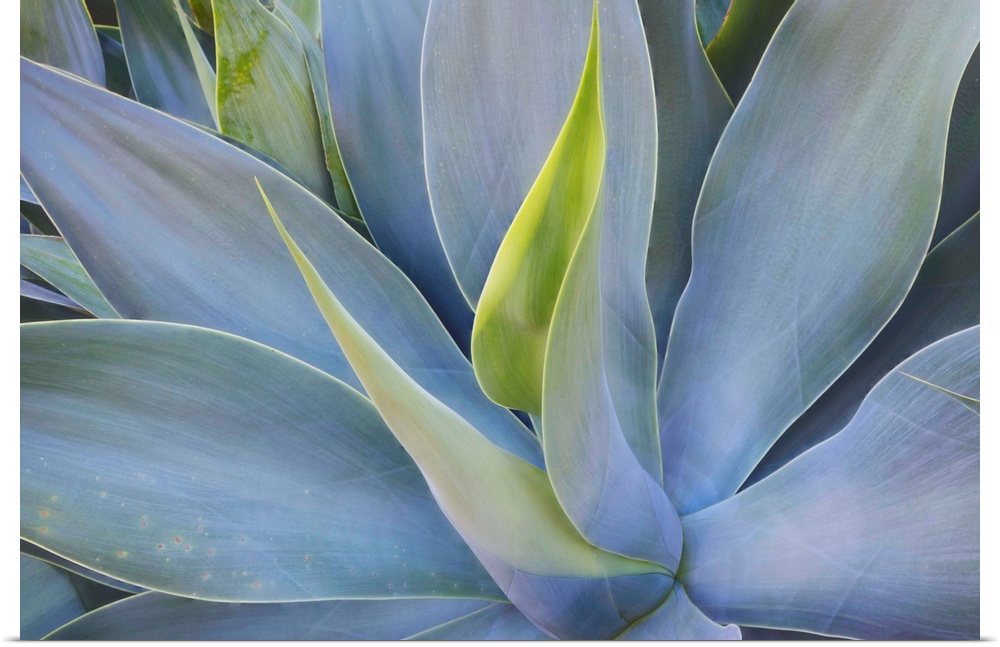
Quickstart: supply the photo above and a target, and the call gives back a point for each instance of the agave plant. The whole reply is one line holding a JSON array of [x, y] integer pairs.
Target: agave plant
[[609, 356]]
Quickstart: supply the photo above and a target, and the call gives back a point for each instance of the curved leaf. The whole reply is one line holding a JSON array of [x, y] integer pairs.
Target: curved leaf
[[154, 616], [51, 258], [943, 300], [178, 459], [164, 73], [502, 506], [42, 293], [494, 622], [858, 129], [48, 598], [263, 91], [181, 209], [877, 530], [28, 548], [737, 48], [604, 490], [372, 54], [59, 33], [960, 192], [115, 64], [709, 15], [678, 619], [498, 81], [317, 80], [689, 124]]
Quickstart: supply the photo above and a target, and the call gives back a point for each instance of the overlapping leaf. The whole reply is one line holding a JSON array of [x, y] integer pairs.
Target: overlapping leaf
[[877, 532], [59, 33], [818, 207]]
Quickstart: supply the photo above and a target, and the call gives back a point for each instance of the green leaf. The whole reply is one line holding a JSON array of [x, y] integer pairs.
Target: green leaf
[[524, 67], [178, 459], [689, 125], [59, 33], [373, 53], [154, 616], [877, 534], [202, 11], [709, 15], [168, 176], [502, 506], [317, 79], [737, 48], [944, 299], [515, 309], [164, 72], [51, 258], [308, 13], [264, 94], [858, 128]]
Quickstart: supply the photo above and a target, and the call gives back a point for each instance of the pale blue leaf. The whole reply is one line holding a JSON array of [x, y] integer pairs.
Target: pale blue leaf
[[497, 621], [41, 293], [497, 84], [182, 235], [28, 548], [154, 616], [117, 77], [51, 258], [59, 33], [26, 194], [943, 300], [960, 193], [689, 124], [177, 458], [48, 598], [164, 73], [372, 54], [871, 534], [816, 213], [678, 619]]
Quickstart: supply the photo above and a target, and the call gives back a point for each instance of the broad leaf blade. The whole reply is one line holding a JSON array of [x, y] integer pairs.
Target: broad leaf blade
[[59, 33], [877, 531], [679, 619], [604, 490], [858, 129], [51, 258], [709, 15], [960, 193], [28, 548], [943, 300], [163, 71], [494, 622], [263, 91], [372, 52], [502, 506], [51, 597], [154, 616], [178, 458], [42, 293], [689, 124], [215, 260]]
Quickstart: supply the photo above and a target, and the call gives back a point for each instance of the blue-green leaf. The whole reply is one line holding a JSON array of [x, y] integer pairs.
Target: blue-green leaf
[[161, 61], [494, 622], [943, 300], [198, 195], [59, 33], [42, 293], [498, 81], [178, 459], [51, 258], [871, 534], [709, 15], [263, 91], [678, 619], [689, 125], [960, 193], [154, 616], [48, 598], [372, 54], [858, 128], [28, 548]]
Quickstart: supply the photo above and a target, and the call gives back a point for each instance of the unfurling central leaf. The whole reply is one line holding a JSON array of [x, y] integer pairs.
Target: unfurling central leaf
[[515, 310]]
